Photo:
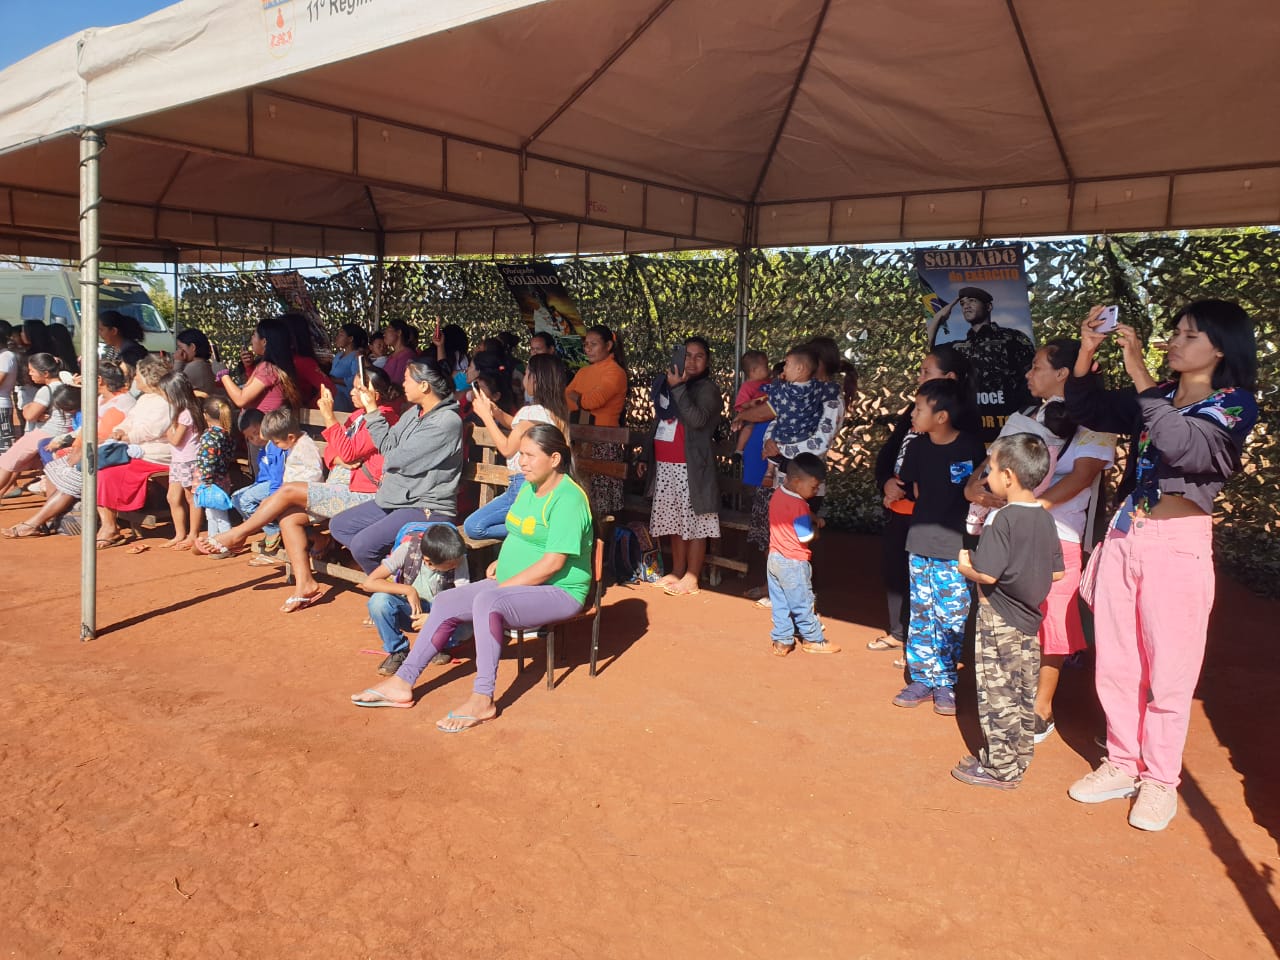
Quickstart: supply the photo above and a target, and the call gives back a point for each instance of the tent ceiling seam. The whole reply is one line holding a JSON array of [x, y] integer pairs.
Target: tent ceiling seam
[[791, 100], [1044, 100], [600, 71]]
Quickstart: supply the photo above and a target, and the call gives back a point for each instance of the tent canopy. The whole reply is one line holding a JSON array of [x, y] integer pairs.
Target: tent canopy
[[247, 128]]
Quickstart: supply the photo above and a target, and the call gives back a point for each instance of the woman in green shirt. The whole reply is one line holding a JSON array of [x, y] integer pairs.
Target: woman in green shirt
[[541, 576]]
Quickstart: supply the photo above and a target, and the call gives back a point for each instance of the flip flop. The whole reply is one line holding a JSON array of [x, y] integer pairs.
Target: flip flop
[[475, 722], [22, 530], [680, 593], [301, 602], [372, 698], [110, 542], [138, 548], [885, 642], [265, 560]]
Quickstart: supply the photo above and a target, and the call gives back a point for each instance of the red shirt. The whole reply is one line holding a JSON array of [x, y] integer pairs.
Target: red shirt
[[670, 451], [791, 526]]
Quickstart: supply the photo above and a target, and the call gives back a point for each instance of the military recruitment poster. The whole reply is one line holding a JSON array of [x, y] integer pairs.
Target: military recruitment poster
[[976, 300], [545, 305]]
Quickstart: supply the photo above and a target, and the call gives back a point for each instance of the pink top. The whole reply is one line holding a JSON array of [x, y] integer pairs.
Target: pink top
[[273, 399], [186, 451]]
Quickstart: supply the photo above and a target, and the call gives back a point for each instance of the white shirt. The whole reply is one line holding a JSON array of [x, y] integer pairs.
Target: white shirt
[[530, 411]]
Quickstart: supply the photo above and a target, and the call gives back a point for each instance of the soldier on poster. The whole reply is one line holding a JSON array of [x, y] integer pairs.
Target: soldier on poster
[[545, 305], [988, 285]]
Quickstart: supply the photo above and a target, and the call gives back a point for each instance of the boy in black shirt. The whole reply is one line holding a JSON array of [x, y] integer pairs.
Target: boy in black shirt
[[935, 469], [1017, 560]]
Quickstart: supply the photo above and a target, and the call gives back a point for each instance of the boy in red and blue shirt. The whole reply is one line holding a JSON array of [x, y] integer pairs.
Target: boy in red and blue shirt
[[792, 527]]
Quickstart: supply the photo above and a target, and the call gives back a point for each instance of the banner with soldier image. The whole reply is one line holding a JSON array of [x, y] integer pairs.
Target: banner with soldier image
[[976, 299], [545, 305]]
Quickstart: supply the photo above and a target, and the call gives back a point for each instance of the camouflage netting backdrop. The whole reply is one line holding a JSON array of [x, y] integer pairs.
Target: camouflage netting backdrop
[[867, 299]]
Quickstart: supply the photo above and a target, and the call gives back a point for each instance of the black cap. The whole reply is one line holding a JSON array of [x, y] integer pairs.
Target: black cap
[[975, 293]]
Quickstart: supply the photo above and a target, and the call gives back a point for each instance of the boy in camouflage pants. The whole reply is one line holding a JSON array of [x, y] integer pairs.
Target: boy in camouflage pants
[[1015, 564]]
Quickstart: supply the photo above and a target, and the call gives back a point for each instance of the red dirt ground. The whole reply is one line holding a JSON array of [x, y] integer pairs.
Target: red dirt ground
[[194, 784]]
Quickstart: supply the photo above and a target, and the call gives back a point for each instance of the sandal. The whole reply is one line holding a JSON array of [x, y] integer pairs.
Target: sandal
[[114, 541], [302, 601], [22, 530], [265, 560], [886, 642]]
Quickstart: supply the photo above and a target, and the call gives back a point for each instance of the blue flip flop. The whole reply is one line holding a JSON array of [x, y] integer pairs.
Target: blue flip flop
[[372, 698], [458, 716]]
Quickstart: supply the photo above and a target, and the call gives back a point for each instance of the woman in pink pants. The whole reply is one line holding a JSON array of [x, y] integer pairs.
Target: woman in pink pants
[[1155, 578]]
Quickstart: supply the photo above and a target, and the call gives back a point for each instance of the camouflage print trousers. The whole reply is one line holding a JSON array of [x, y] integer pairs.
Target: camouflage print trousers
[[939, 608], [1007, 669]]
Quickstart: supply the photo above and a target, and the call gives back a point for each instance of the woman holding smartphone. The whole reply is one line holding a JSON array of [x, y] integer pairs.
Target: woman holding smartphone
[[1155, 578]]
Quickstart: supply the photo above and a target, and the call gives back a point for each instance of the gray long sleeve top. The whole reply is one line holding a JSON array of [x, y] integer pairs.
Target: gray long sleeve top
[[422, 458]]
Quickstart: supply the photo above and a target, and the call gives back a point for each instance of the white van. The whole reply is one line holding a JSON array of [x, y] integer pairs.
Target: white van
[[54, 297]]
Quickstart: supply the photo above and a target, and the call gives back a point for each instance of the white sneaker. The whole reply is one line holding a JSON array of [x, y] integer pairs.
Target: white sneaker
[[1155, 806], [1108, 782]]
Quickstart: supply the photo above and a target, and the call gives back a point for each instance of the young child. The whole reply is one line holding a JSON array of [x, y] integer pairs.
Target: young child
[[1017, 560], [303, 463], [934, 470], [755, 366], [406, 582], [186, 426], [270, 472], [797, 399], [791, 529], [214, 456]]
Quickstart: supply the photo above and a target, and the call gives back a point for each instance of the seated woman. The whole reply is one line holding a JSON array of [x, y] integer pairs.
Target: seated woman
[[24, 454], [124, 487], [422, 465], [62, 473], [192, 358], [544, 385], [542, 575]]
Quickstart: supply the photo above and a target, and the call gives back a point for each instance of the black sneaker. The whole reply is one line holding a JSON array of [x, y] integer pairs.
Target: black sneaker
[[390, 665], [1044, 729], [970, 771]]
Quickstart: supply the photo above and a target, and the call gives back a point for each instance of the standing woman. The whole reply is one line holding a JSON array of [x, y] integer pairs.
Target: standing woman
[[421, 465], [686, 491], [943, 362], [1086, 454], [600, 389], [9, 372], [63, 348], [402, 345], [541, 576], [1155, 577], [191, 358], [309, 377], [544, 383]]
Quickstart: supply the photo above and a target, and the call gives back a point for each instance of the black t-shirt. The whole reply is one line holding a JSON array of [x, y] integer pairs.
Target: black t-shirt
[[1020, 548], [939, 473]]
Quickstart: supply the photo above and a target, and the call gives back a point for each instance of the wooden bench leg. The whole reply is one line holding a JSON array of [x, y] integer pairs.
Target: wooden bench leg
[[551, 659]]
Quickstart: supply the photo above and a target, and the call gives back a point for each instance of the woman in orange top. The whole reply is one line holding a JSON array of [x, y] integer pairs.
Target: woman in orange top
[[600, 389]]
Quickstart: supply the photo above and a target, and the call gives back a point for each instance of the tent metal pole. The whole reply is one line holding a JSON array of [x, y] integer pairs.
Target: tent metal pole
[[91, 144], [177, 298], [379, 267], [744, 311]]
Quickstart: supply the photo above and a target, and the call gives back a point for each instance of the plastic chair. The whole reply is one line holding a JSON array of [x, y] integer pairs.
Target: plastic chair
[[595, 598]]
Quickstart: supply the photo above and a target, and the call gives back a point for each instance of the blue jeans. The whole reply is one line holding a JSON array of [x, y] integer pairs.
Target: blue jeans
[[791, 599], [391, 615], [490, 521], [246, 500]]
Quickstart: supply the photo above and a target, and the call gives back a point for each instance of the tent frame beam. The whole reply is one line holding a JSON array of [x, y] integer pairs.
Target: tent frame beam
[[600, 71], [791, 100], [1044, 100]]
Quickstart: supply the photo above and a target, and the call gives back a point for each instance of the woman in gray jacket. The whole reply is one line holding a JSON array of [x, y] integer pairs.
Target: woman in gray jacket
[[686, 492], [422, 465]]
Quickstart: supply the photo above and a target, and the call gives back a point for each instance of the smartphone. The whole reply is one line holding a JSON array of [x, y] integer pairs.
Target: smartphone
[[437, 336], [677, 359], [1110, 317], [360, 371]]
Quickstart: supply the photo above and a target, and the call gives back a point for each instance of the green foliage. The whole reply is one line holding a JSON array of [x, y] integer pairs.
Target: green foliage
[[867, 299]]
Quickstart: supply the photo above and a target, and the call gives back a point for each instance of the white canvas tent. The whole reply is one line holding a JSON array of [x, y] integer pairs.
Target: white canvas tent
[[240, 129]]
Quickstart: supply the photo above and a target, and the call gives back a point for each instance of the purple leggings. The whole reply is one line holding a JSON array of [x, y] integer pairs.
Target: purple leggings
[[490, 609]]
